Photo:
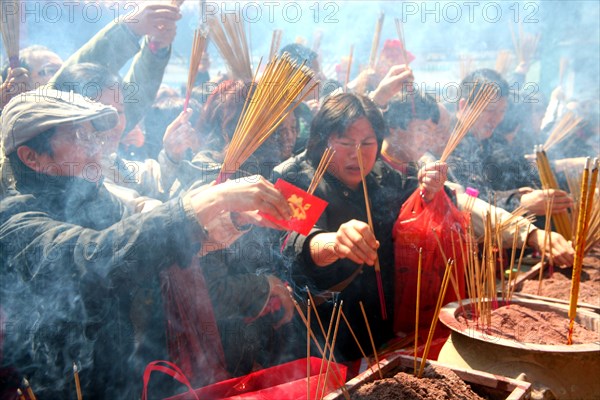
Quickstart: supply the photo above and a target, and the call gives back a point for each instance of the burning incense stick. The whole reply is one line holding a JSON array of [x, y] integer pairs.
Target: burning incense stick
[[198, 47], [376, 37], [9, 26], [370, 220], [362, 308], [280, 85], [585, 206], [229, 36], [20, 394], [28, 389], [473, 109], [419, 268], [400, 32], [436, 315], [77, 384]]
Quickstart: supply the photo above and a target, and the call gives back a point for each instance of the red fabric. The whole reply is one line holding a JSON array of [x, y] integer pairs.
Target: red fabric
[[413, 230], [192, 334]]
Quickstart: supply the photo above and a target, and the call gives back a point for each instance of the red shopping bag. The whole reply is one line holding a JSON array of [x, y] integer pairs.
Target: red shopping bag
[[419, 226]]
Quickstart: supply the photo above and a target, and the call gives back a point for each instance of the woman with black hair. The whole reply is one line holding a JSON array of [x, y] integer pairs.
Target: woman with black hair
[[331, 258]]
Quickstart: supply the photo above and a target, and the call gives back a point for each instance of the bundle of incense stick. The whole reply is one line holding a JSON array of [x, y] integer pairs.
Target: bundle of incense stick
[[561, 220], [362, 309], [503, 60], [464, 66], [436, 314], [547, 230], [336, 371], [400, 32], [275, 43], [198, 47], [370, 220], [9, 25], [348, 68], [525, 43], [453, 278], [593, 235], [517, 216], [586, 197], [280, 86], [322, 352], [565, 126], [513, 283], [375, 44], [331, 348], [228, 34], [321, 169], [476, 103]]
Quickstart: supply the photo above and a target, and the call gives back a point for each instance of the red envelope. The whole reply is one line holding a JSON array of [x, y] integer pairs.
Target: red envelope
[[306, 207]]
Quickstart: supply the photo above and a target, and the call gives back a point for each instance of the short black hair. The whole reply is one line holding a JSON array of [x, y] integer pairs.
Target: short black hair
[[407, 106], [299, 53], [475, 81], [337, 114]]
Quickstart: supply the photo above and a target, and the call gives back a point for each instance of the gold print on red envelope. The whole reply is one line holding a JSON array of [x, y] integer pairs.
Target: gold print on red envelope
[[306, 208]]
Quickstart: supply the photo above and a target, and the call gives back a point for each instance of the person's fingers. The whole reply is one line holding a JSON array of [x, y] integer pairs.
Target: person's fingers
[[358, 249], [288, 307], [343, 251]]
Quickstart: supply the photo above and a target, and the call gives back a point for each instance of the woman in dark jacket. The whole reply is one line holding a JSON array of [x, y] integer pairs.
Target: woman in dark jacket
[[332, 258]]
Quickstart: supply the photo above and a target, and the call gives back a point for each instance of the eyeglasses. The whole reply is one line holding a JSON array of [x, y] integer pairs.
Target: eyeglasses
[[92, 138], [348, 144]]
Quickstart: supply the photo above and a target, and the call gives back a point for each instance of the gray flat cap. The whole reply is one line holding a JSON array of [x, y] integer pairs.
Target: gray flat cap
[[32, 113]]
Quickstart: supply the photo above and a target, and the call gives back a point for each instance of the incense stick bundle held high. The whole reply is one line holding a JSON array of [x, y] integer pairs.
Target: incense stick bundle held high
[[9, 26], [228, 34], [376, 37], [480, 96], [563, 128], [198, 47], [280, 85]]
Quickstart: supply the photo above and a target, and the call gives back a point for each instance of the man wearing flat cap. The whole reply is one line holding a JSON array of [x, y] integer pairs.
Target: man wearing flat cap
[[73, 263]]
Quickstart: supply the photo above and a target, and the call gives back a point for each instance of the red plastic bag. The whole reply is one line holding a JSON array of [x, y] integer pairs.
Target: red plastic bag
[[420, 225]]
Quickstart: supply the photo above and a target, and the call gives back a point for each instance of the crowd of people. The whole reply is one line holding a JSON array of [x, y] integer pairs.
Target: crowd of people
[[118, 248]]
